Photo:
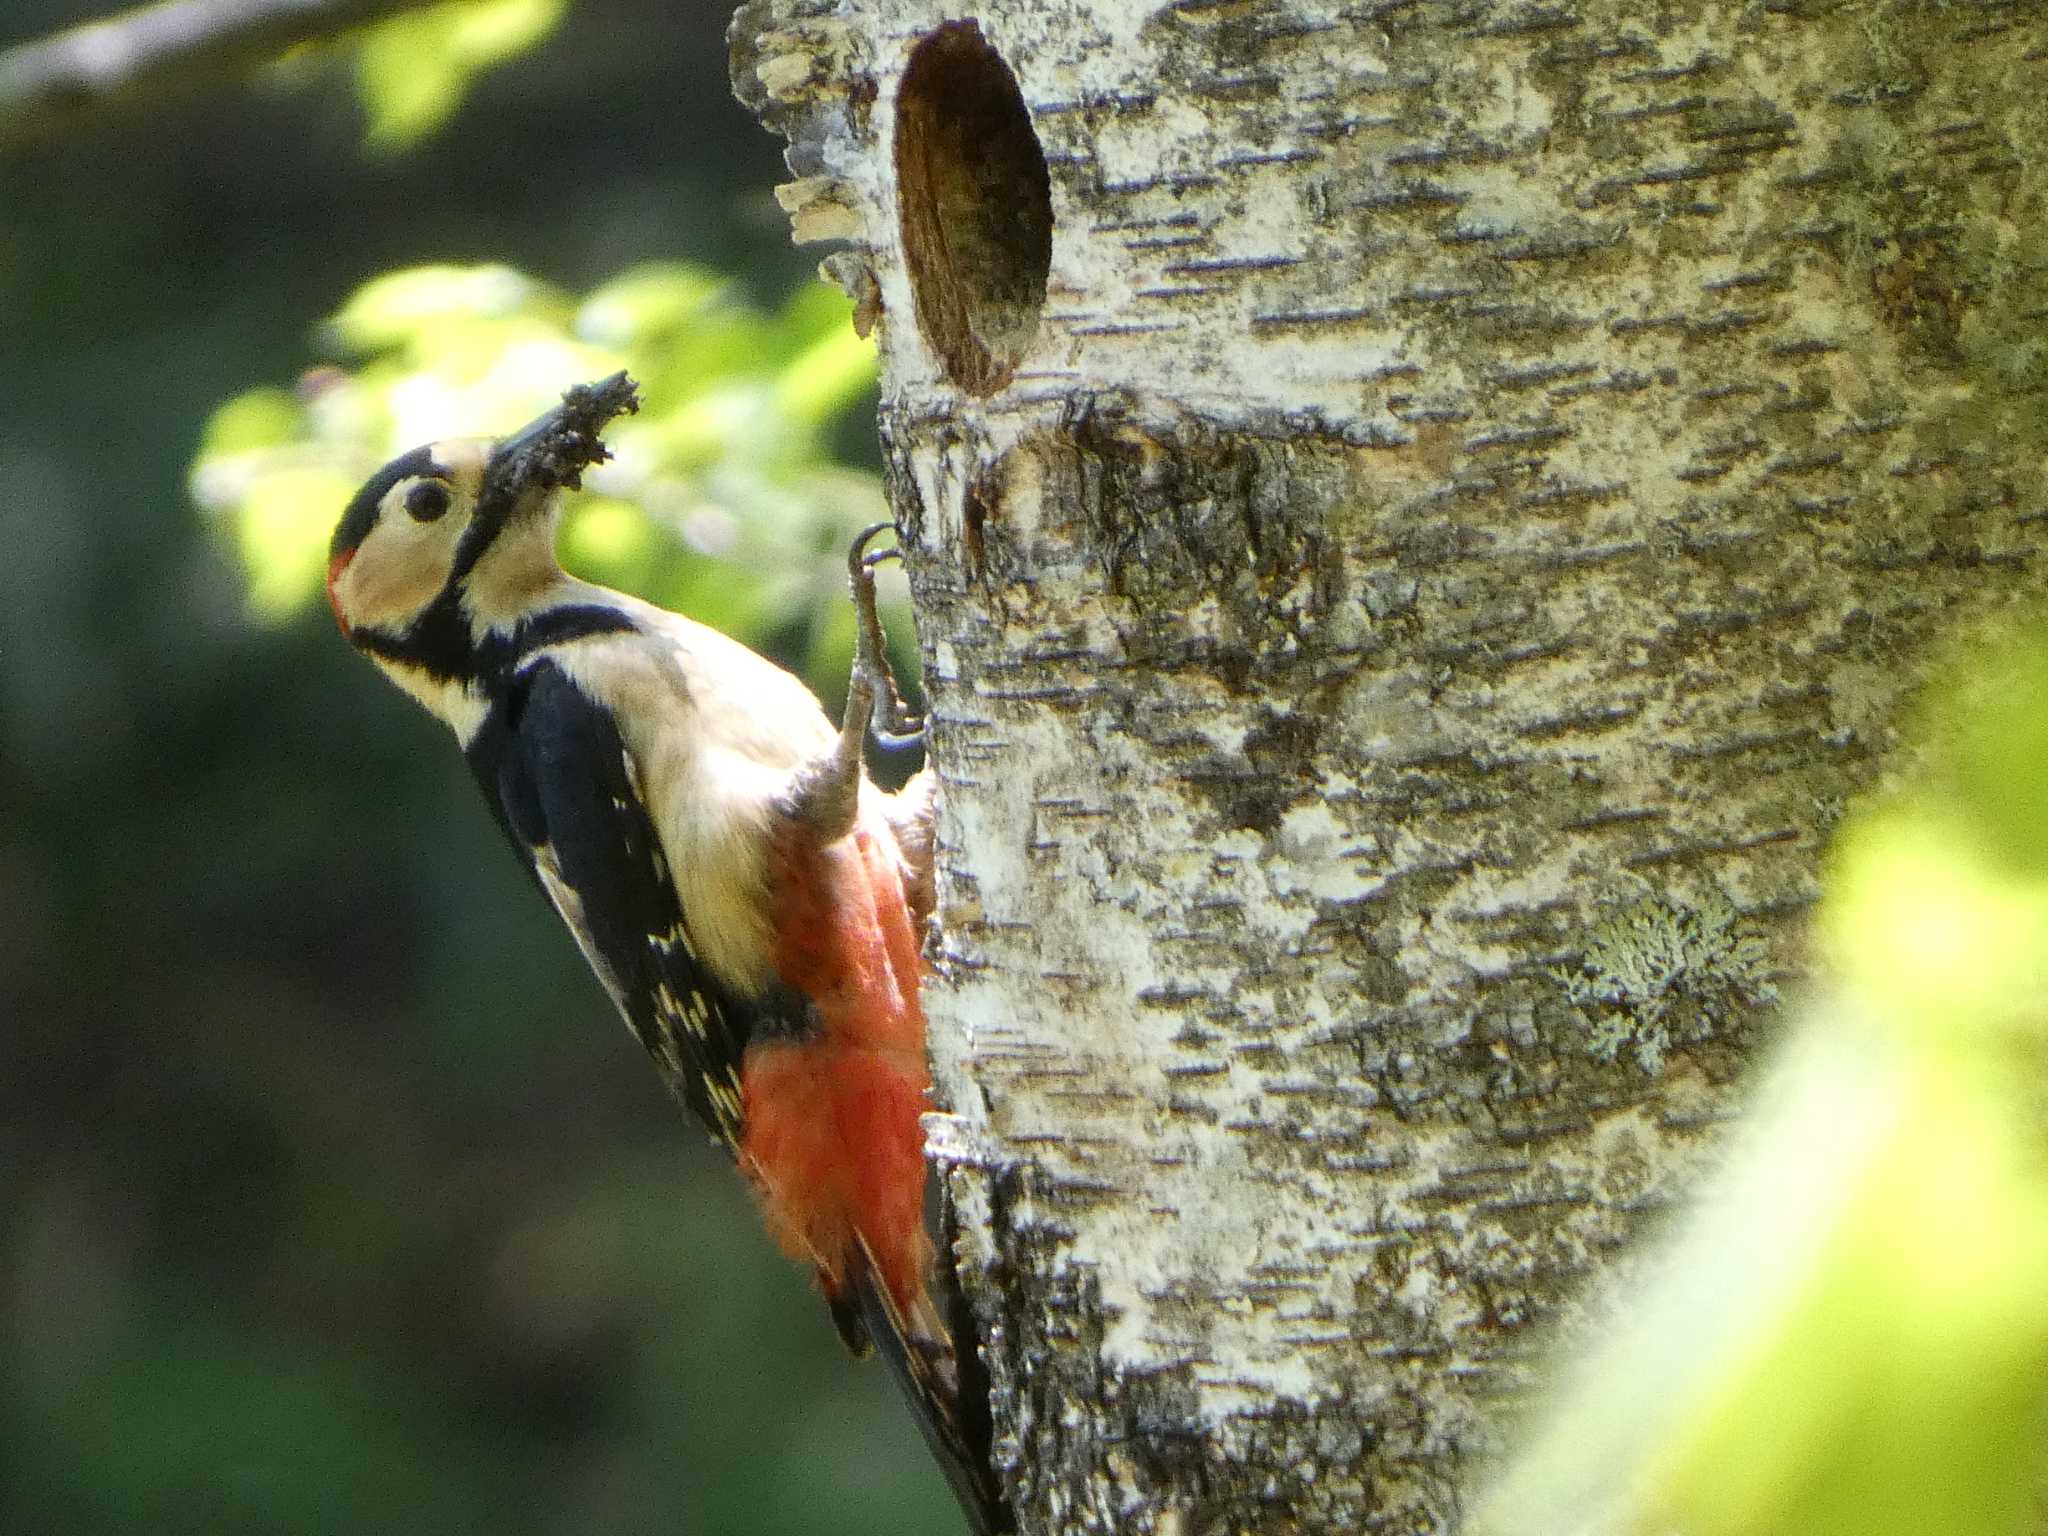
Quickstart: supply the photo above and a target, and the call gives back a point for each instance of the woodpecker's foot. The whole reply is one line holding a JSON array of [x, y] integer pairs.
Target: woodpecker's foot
[[889, 718], [827, 794]]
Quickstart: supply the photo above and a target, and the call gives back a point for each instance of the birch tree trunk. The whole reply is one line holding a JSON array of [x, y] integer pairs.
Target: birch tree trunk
[[1420, 511]]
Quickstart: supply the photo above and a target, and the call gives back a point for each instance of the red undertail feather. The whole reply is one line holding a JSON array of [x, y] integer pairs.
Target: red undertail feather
[[833, 1136]]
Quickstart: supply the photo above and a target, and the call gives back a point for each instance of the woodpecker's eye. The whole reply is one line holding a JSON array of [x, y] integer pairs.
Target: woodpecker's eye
[[426, 501]]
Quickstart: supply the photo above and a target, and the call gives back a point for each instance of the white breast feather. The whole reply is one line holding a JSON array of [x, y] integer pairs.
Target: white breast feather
[[713, 734], [457, 705]]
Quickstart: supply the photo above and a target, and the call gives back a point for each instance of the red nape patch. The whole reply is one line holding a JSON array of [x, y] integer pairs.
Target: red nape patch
[[334, 569]]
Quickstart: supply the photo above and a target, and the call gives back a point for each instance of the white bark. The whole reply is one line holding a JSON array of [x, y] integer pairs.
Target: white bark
[[1402, 613]]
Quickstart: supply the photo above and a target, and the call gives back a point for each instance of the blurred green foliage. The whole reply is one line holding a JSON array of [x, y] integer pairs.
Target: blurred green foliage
[[722, 498], [1848, 1338], [413, 70]]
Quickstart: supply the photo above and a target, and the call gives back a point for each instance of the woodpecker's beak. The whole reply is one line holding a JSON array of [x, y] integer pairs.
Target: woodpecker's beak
[[555, 448]]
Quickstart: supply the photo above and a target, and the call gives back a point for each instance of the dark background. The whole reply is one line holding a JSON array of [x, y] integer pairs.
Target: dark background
[[333, 1197]]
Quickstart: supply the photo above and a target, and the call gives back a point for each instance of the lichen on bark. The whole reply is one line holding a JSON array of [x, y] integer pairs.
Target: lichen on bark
[[1656, 976], [1479, 468]]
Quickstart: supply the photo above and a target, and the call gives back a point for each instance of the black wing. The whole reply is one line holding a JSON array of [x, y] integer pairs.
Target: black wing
[[556, 771]]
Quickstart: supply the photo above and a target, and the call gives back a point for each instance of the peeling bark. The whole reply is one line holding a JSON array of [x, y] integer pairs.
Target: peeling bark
[[1408, 573]]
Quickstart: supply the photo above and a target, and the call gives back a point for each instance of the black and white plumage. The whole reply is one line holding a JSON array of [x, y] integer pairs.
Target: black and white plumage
[[479, 624], [748, 899]]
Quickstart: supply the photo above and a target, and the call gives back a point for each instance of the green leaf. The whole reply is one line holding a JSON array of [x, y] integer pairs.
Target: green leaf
[[814, 312], [651, 302], [610, 541], [402, 307], [827, 376], [283, 533], [1993, 731], [413, 70], [262, 418]]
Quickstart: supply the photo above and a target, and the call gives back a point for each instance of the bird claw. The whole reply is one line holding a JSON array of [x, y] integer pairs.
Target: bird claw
[[890, 721]]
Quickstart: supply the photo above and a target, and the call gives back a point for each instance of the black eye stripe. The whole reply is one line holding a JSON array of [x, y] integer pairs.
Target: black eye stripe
[[426, 501]]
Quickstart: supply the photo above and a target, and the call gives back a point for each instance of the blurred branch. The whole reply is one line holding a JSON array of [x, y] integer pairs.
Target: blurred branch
[[49, 85]]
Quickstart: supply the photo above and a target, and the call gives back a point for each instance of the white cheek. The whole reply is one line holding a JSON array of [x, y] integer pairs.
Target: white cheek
[[399, 570]]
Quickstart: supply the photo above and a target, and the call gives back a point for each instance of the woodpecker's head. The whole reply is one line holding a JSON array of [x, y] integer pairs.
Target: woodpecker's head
[[456, 535]]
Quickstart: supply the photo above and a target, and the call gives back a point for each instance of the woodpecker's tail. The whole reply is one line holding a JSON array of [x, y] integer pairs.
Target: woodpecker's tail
[[940, 1374]]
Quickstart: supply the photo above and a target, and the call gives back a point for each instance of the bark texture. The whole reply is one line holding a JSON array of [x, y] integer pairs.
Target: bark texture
[[1420, 514]]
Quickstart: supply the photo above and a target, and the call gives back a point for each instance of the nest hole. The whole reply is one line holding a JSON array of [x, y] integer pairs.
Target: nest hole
[[977, 207]]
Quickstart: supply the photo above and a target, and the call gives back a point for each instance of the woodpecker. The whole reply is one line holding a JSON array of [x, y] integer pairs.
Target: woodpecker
[[749, 899]]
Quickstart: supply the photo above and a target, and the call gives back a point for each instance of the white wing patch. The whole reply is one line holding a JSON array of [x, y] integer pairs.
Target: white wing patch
[[570, 906]]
